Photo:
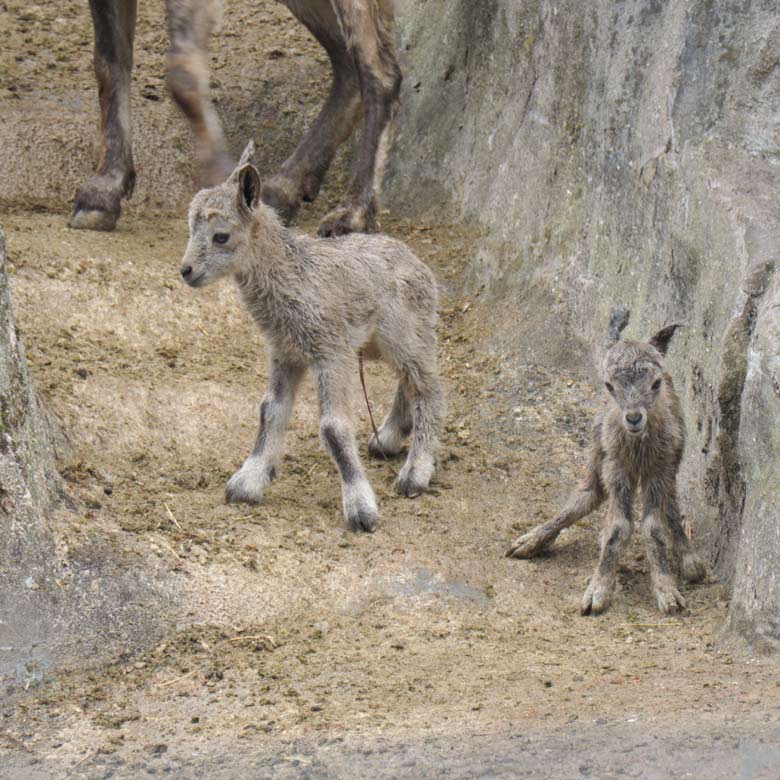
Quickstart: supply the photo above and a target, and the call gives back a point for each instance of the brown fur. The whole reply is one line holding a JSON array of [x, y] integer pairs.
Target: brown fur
[[637, 443], [358, 36], [319, 301]]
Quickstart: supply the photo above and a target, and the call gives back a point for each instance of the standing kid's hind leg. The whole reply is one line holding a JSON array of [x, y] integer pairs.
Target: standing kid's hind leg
[[338, 436], [691, 567], [588, 497], [395, 428], [427, 407]]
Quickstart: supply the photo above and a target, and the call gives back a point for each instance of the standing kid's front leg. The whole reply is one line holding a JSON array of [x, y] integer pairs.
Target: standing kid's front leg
[[338, 436], [249, 482]]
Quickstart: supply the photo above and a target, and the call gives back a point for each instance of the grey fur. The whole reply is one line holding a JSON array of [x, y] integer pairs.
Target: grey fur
[[637, 442], [319, 301]]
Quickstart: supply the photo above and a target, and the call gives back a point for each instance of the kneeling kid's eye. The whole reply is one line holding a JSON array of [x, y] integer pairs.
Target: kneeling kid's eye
[[609, 387], [656, 384], [221, 238]]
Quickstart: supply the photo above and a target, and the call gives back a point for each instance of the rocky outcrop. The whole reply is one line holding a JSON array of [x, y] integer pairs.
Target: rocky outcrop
[[60, 600], [29, 485], [624, 152]]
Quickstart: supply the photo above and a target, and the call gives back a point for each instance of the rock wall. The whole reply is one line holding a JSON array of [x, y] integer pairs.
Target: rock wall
[[60, 600], [29, 484], [623, 151]]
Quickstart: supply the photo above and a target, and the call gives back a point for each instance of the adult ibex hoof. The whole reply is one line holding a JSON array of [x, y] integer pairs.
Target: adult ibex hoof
[[245, 487], [343, 220], [236, 494], [360, 508], [93, 219], [97, 205], [280, 194]]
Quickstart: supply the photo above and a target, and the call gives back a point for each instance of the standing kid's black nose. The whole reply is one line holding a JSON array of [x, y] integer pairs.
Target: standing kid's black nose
[[631, 417], [186, 271]]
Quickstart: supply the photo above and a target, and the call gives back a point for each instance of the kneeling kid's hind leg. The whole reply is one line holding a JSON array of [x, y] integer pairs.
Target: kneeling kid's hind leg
[[660, 551], [249, 482], [338, 436], [395, 428], [588, 497], [691, 567], [428, 407]]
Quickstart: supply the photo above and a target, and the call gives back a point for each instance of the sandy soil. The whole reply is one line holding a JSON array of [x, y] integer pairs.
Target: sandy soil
[[288, 627], [288, 624]]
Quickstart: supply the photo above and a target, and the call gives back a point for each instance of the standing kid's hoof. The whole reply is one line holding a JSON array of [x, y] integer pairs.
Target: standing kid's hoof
[[362, 520], [414, 479]]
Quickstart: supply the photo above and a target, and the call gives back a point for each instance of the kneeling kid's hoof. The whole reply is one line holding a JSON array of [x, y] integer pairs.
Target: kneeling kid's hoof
[[596, 600], [529, 545], [693, 568], [669, 600]]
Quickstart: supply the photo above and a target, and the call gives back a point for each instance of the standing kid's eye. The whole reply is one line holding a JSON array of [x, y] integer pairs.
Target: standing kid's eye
[[221, 238], [656, 384], [609, 387]]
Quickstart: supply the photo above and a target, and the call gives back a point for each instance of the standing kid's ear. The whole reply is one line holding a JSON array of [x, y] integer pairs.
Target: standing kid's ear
[[246, 156], [248, 188], [618, 319], [661, 339]]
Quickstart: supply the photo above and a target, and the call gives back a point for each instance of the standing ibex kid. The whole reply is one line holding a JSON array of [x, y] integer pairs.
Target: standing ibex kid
[[318, 302], [637, 441]]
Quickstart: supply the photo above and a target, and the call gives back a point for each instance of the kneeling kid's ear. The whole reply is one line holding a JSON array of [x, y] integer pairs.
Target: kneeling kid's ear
[[661, 339], [618, 320]]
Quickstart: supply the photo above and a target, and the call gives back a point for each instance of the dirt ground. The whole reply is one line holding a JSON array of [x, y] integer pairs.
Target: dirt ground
[[289, 630]]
